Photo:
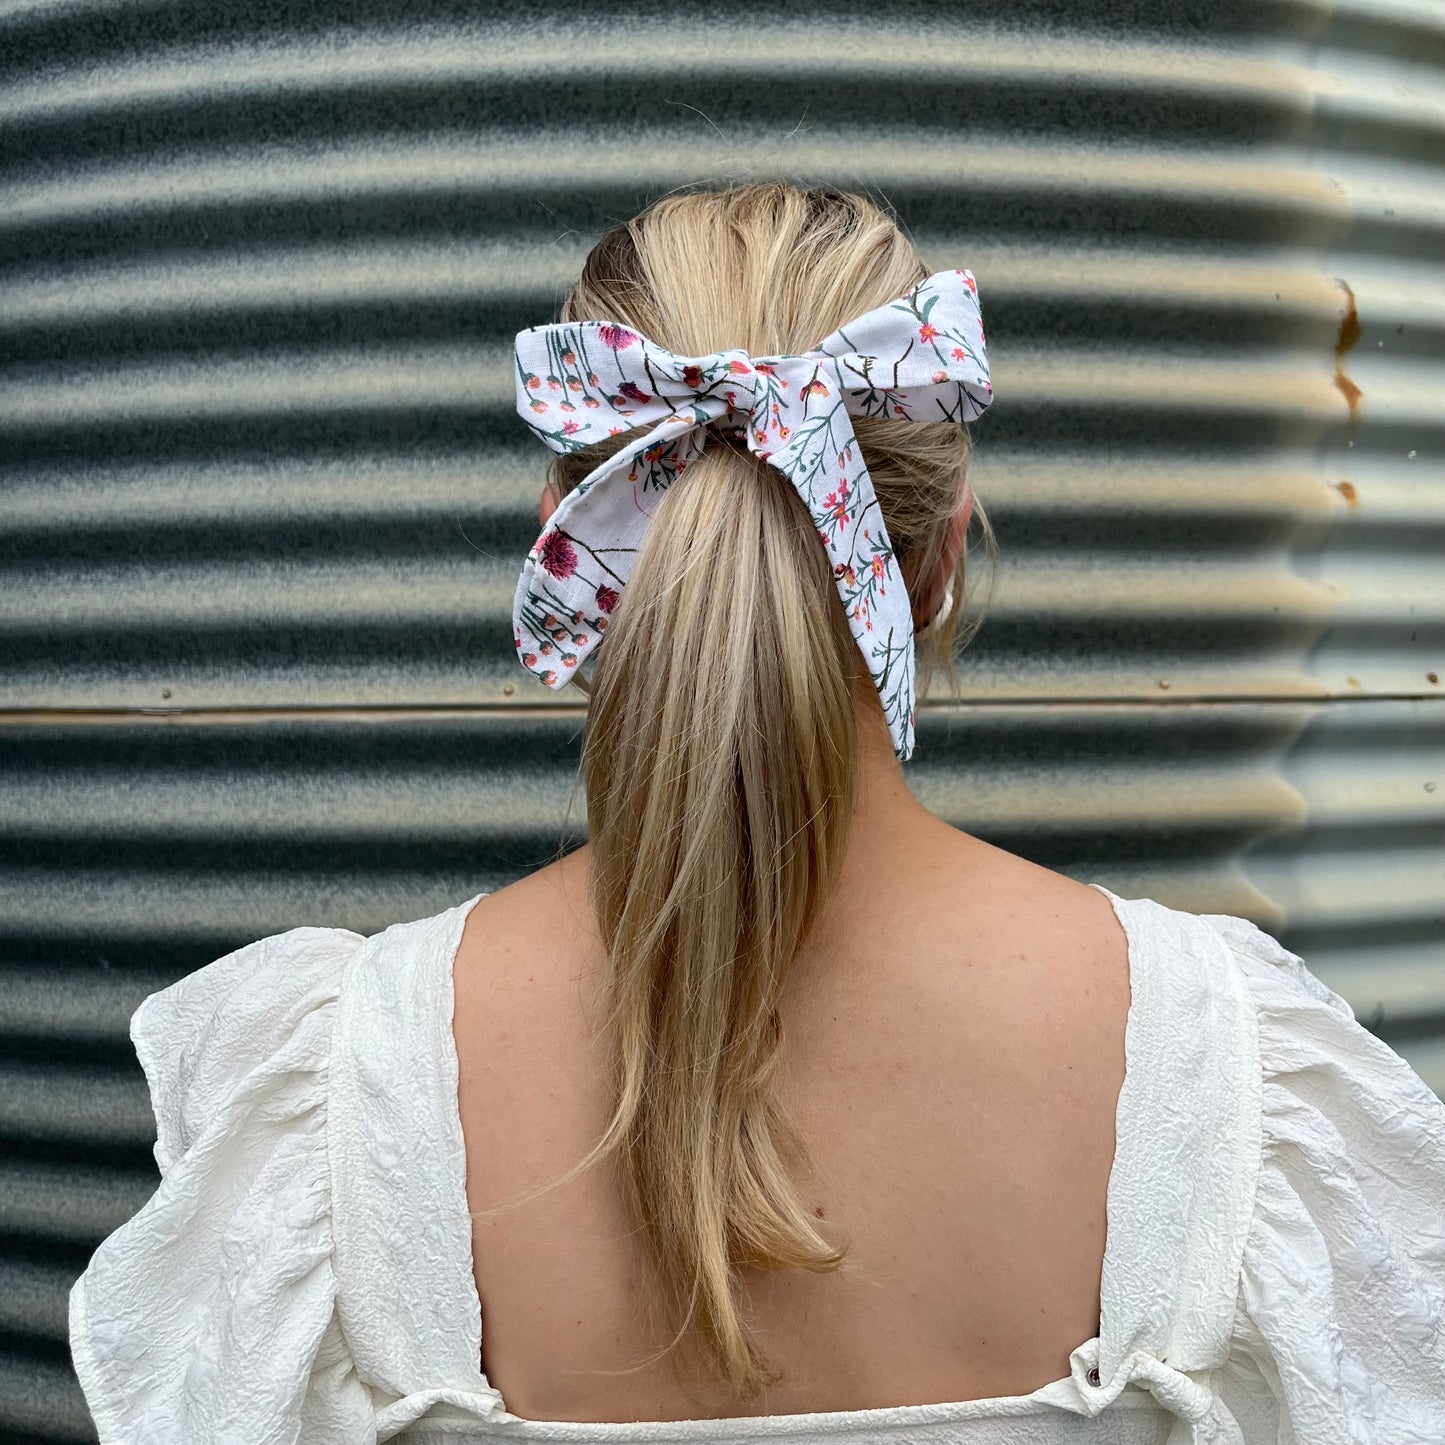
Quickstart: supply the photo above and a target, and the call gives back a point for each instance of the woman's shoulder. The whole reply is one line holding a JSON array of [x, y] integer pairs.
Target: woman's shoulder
[[299, 1086], [1297, 1229], [278, 997], [199, 1038], [223, 1283]]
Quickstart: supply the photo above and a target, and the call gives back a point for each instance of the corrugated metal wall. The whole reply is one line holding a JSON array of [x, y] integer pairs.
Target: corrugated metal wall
[[263, 498]]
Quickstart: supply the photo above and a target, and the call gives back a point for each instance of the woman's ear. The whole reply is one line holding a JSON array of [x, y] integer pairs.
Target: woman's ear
[[948, 562], [549, 503]]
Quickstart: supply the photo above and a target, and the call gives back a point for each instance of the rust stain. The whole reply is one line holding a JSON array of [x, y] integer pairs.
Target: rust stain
[[1348, 492], [1349, 335]]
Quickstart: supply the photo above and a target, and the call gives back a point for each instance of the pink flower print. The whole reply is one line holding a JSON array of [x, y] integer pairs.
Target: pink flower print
[[579, 639], [692, 376], [558, 556], [539, 406], [553, 384], [619, 338], [737, 368], [969, 282], [533, 381], [570, 427], [940, 376], [592, 379], [573, 384], [763, 369], [633, 392], [590, 401], [731, 397], [877, 566], [599, 624], [835, 504], [549, 677], [613, 430], [850, 576], [569, 659], [565, 406], [569, 358], [927, 331], [607, 598], [784, 432], [814, 388], [545, 649], [530, 660]]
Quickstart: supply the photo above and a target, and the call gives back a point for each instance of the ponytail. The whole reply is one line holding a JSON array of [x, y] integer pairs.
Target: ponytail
[[719, 759]]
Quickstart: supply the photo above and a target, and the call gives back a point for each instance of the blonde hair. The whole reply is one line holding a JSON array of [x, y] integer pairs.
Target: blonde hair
[[721, 747]]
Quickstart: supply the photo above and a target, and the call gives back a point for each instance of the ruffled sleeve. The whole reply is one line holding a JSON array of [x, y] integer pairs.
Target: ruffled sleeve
[[211, 1314], [1339, 1331]]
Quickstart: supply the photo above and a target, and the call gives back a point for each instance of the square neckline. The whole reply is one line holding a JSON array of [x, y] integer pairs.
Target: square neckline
[[833, 1421]]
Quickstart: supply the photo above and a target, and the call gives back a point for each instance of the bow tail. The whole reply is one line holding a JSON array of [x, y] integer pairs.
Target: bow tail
[[815, 447], [575, 573]]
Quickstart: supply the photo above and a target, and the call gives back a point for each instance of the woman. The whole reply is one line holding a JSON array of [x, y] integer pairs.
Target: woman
[[781, 1107]]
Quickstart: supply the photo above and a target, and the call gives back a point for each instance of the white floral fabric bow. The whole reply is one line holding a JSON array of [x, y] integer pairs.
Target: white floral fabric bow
[[919, 357]]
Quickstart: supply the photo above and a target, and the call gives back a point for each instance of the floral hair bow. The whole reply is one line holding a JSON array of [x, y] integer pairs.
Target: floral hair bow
[[920, 357]]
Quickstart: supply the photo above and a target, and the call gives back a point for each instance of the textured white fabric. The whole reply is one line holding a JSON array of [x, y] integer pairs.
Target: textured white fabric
[[1274, 1271]]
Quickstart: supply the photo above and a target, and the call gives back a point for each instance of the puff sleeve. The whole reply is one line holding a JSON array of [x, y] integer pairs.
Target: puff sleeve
[[1339, 1332], [210, 1315]]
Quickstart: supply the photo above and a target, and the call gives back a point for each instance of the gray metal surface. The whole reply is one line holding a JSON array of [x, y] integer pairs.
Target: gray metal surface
[[263, 498]]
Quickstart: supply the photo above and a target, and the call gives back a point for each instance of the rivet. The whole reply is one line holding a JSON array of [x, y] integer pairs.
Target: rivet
[[1094, 1375]]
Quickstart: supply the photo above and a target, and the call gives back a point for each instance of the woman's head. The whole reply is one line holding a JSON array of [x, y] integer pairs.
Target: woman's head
[[769, 268], [723, 734]]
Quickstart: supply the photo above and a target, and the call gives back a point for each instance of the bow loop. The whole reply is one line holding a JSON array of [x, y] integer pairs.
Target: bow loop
[[919, 357]]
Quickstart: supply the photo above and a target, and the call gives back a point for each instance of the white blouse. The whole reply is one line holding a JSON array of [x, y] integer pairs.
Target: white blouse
[[1274, 1267]]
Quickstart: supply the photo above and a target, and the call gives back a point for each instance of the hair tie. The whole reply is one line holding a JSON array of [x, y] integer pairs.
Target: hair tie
[[919, 357]]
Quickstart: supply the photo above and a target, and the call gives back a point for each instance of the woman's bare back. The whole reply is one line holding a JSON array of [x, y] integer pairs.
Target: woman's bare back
[[953, 1054]]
